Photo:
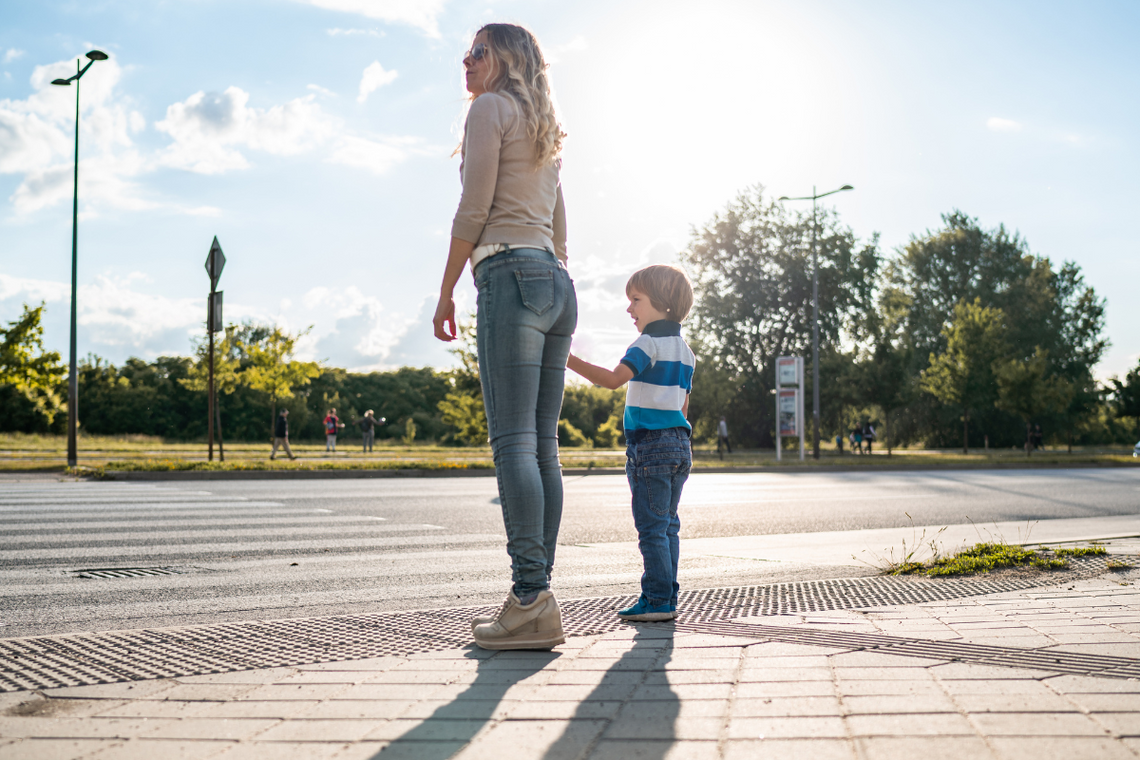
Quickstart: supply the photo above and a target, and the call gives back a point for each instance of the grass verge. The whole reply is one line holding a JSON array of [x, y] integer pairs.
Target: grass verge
[[181, 465], [996, 555]]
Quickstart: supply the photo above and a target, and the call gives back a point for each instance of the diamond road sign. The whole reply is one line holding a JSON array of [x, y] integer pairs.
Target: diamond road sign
[[215, 263]]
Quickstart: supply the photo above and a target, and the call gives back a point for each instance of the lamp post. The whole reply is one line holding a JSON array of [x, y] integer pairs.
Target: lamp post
[[73, 378], [815, 310]]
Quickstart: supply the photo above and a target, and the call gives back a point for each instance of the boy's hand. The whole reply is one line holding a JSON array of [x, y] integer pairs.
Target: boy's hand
[[612, 379]]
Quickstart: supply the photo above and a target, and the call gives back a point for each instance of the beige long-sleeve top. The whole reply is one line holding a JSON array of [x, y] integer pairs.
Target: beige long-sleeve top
[[506, 198]]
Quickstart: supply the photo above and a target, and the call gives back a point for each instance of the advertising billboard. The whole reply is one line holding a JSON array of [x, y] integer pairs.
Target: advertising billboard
[[788, 409]]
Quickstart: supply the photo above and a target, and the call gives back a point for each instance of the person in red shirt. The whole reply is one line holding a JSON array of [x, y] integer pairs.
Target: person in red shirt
[[332, 424]]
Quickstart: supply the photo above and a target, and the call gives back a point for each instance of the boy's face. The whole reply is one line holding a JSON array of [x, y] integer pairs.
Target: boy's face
[[642, 310]]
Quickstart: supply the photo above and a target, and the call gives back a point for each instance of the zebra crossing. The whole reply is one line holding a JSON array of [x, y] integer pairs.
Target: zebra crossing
[[232, 557]]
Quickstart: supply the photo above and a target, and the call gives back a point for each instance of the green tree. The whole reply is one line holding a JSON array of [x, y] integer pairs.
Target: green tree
[[962, 375], [272, 369], [884, 380], [1027, 389], [752, 277], [1046, 306], [32, 372], [465, 413], [1126, 399], [462, 408]]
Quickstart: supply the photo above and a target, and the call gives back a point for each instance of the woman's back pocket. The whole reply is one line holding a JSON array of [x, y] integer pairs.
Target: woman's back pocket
[[537, 289]]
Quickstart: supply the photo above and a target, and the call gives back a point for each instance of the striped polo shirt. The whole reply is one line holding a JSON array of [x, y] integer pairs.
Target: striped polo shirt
[[662, 365]]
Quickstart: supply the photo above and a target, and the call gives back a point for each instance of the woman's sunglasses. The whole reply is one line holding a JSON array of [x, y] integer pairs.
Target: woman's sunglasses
[[477, 53]]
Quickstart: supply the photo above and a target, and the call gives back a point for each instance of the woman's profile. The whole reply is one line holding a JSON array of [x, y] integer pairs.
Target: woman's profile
[[511, 228]]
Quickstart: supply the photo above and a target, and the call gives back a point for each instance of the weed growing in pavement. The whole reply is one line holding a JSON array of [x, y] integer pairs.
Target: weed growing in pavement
[[1117, 566], [981, 558], [1096, 550], [908, 559]]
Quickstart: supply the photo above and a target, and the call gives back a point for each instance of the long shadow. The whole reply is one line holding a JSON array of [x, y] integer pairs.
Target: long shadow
[[453, 725], [646, 717]]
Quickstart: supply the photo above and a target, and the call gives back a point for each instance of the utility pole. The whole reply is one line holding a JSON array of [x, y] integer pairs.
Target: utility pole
[[815, 310]]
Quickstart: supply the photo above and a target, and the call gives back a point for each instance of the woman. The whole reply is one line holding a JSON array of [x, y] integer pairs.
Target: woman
[[511, 227]]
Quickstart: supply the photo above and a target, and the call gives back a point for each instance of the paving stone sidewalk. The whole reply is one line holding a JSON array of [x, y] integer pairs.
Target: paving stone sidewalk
[[652, 691]]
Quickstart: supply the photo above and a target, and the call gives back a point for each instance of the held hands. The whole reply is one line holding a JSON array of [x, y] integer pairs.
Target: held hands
[[445, 318]]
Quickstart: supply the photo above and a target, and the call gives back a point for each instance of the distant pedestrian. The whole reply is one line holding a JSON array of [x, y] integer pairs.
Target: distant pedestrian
[[281, 435], [857, 439], [368, 425], [868, 435], [722, 437], [839, 443], [332, 425]]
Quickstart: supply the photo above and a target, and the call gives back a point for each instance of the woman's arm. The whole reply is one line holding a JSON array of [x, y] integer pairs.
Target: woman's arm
[[457, 257], [607, 378]]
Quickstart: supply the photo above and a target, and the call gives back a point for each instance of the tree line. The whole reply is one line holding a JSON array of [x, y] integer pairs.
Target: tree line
[[962, 337]]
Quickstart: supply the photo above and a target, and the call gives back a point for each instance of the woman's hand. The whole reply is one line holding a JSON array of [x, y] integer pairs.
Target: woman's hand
[[444, 318]]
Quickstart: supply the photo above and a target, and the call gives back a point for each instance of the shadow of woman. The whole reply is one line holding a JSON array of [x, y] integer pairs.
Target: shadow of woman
[[643, 725], [451, 726]]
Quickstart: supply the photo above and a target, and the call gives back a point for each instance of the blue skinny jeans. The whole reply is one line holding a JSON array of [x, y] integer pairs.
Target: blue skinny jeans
[[527, 312], [657, 465]]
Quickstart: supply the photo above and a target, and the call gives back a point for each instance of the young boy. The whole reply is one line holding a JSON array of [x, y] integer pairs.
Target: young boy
[[659, 369]]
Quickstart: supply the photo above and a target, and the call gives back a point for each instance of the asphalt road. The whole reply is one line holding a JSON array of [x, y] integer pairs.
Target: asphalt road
[[276, 549]]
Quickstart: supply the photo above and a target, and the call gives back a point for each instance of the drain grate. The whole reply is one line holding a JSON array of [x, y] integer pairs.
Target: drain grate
[[1074, 663], [133, 572], [83, 659]]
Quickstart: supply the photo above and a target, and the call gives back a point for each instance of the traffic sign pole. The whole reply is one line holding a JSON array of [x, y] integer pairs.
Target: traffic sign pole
[[215, 262]]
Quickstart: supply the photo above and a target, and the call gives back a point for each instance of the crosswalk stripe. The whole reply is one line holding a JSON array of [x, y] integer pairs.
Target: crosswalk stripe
[[196, 548]]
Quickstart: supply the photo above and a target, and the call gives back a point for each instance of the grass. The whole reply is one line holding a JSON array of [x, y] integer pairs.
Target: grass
[[992, 555], [49, 452]]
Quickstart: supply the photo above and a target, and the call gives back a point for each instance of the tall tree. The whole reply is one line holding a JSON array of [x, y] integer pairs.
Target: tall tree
[[273, 370], [752, 277], [1027, 389], [962, 375], [34, 373]]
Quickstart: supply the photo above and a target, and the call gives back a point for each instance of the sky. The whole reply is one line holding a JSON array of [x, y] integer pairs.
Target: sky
[[314, 138]]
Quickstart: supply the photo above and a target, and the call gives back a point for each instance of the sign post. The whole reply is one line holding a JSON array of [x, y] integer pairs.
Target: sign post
[[215, 263], [789, 402]]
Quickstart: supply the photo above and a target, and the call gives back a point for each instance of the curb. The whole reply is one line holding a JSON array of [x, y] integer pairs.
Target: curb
[[486, 472]]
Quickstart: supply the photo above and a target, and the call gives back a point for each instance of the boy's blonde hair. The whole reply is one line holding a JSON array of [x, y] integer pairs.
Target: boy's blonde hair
[[668, 288]]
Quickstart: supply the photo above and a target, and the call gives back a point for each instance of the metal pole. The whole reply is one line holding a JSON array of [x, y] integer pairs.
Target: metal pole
[[814, 329], [73, 379], [210, 386]]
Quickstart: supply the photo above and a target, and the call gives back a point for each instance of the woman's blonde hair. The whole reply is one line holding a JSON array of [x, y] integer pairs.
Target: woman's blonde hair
[[521, 73]]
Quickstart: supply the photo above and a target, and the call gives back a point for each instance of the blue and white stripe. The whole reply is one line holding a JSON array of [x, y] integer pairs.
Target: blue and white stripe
[[662, 365]]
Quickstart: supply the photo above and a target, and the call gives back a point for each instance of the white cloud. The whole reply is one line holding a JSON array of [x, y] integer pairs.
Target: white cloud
[[353, 32], [373, 78], [321, 90], [209, 128], [363, 335], [555, 53], [376, 156], [996, 124], [31, 291], [12, 54], [421, 14], [37, 139]]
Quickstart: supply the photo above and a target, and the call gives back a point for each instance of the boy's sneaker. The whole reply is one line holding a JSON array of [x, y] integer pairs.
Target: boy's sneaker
[[645, 612], [537, 625]]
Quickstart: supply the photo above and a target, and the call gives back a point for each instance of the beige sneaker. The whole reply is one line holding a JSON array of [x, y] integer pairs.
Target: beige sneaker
[[537, 625]]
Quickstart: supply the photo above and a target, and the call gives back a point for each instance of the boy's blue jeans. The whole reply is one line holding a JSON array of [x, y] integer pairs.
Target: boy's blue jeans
[[657, 465], [527, 312]]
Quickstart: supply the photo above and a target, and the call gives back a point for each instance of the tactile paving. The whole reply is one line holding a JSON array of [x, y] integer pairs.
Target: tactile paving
[[81, 659]]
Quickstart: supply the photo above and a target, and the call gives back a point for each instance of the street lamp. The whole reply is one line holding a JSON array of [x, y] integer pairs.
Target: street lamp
[[73, 380], [815, 311]]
